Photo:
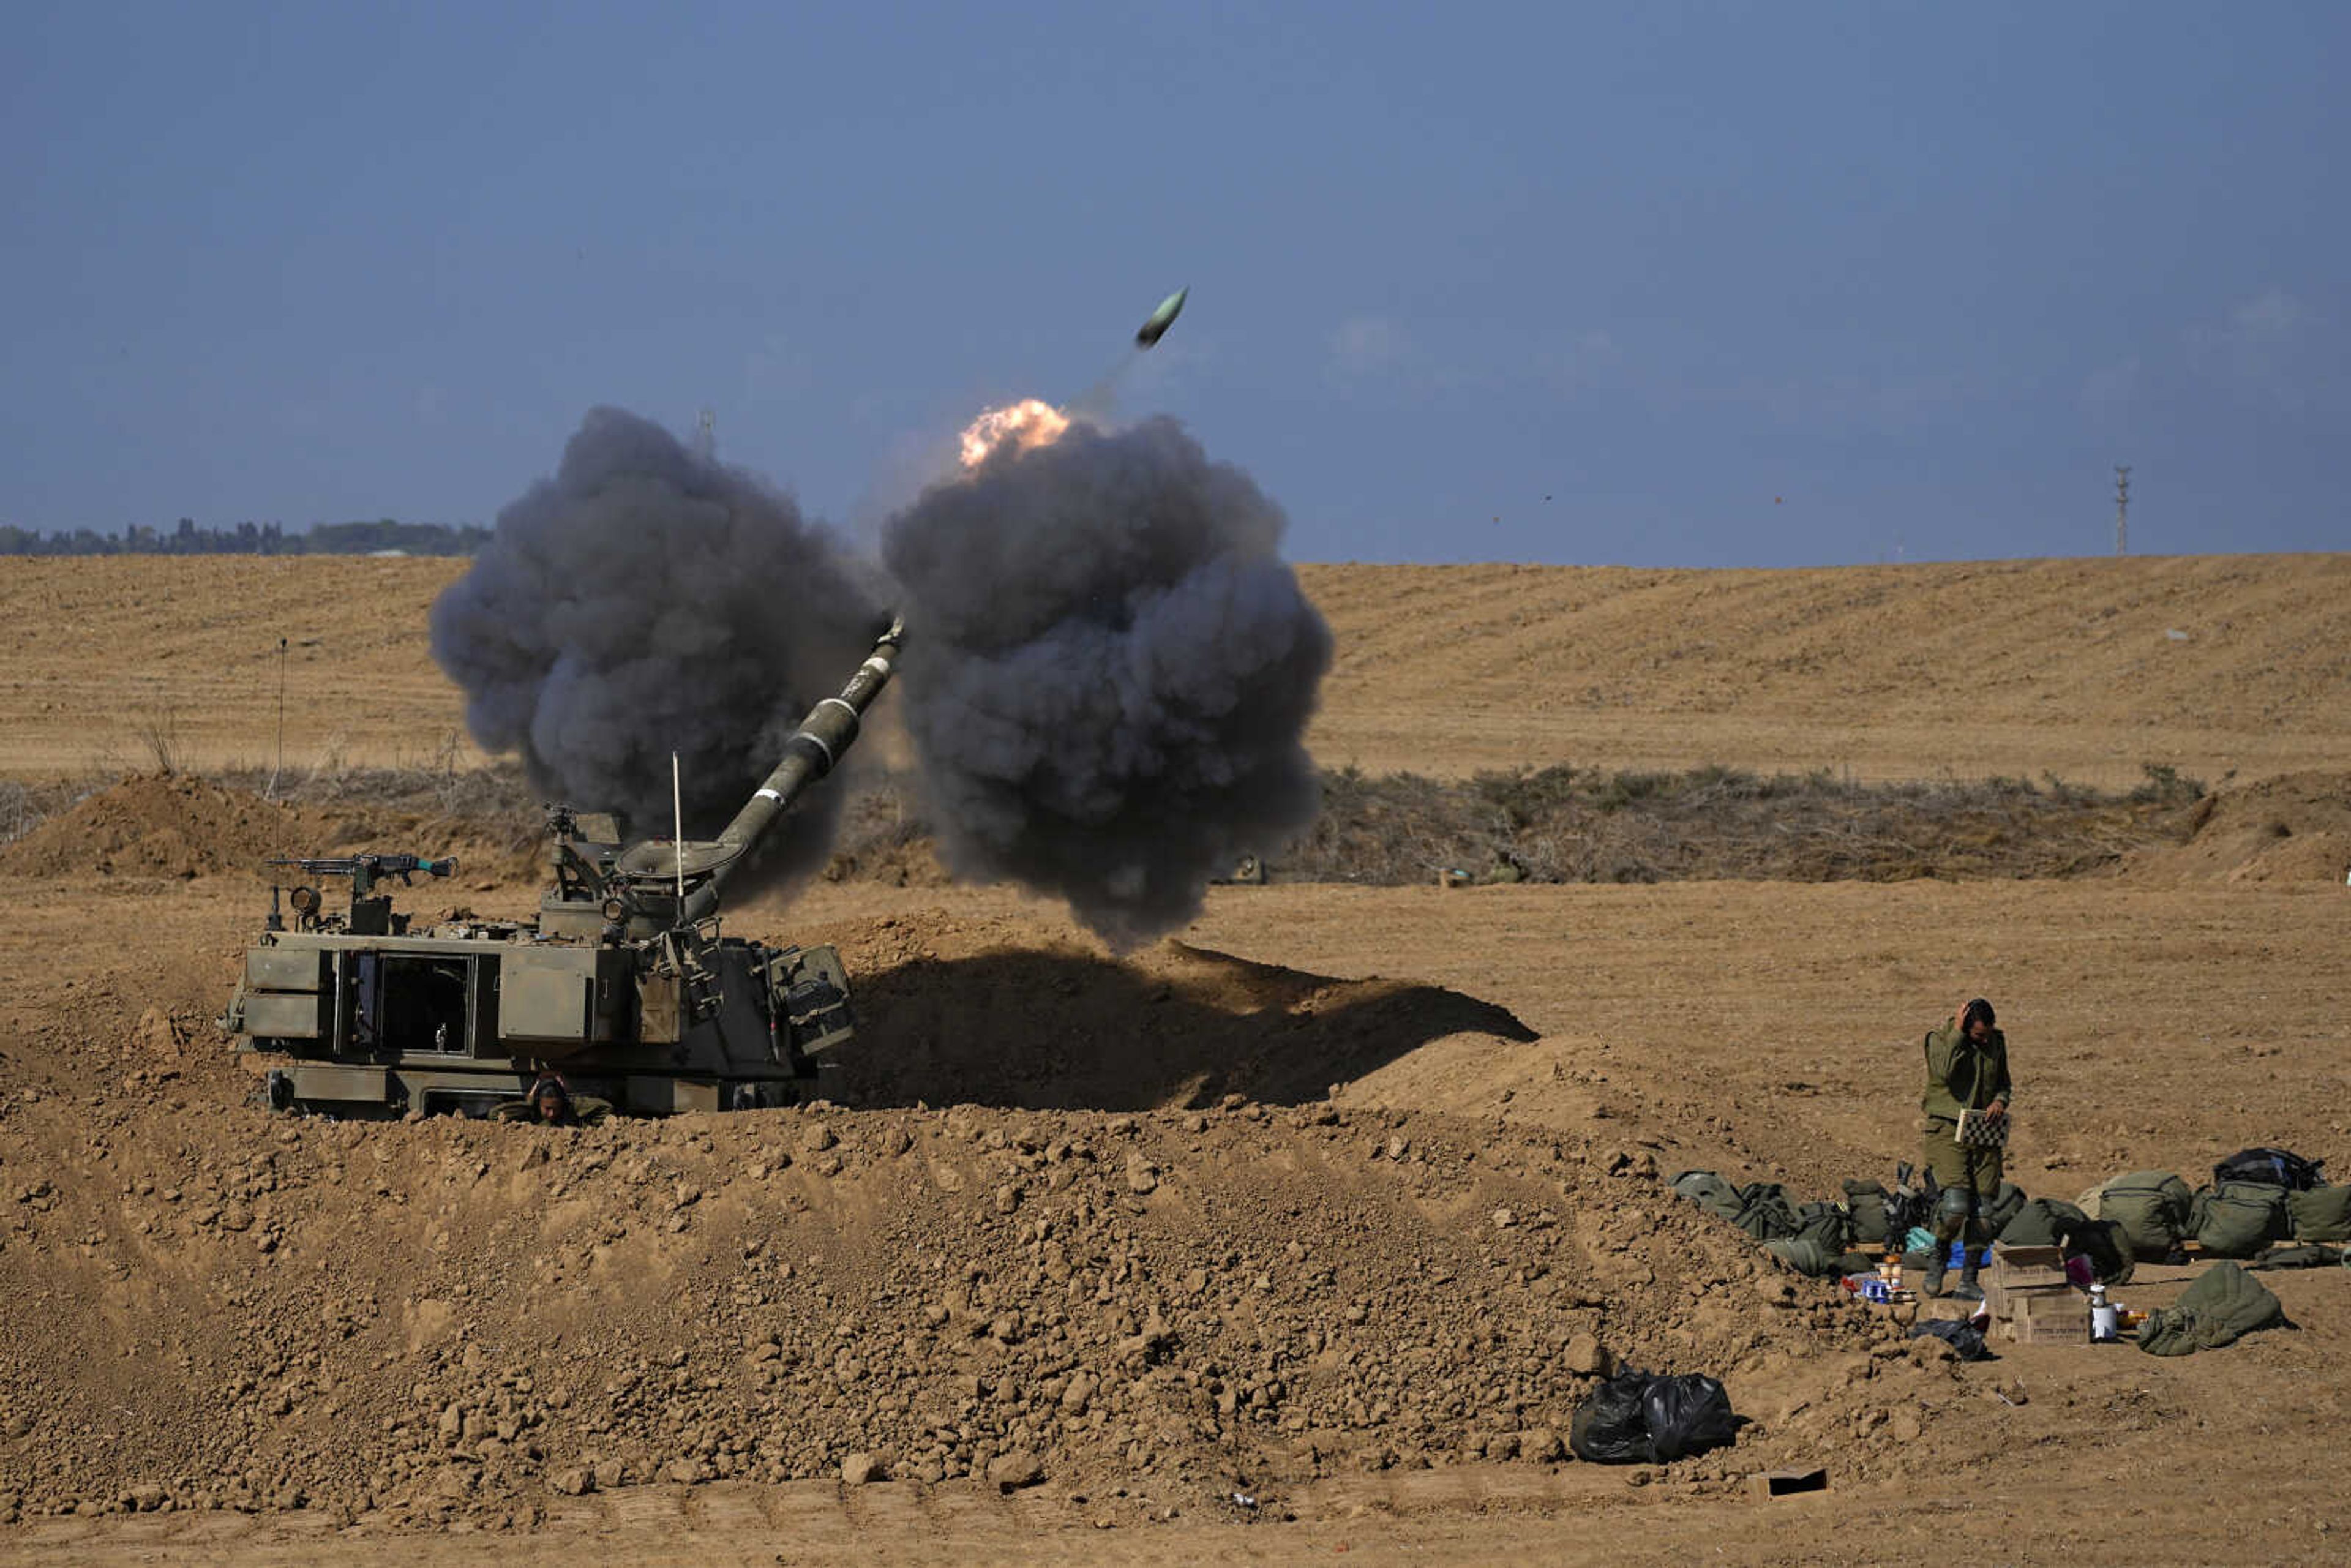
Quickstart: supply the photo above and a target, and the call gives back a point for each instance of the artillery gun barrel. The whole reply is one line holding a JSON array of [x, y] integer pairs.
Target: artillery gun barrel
[[812, 751]]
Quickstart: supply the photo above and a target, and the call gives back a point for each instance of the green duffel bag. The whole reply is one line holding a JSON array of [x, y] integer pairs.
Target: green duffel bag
[[1764, 1211], [1807, 1256], [1826, 1223], [2238, 1219], [2054, 1222], [1709, 1192], [2043, 1222], [1994, 1213], [2322, 1214], [2101, 1241], [2151, 1206], [1866, 1202], [2224, 1304]]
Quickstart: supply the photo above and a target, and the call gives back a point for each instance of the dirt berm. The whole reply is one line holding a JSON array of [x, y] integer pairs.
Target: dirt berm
[[449, 1320]]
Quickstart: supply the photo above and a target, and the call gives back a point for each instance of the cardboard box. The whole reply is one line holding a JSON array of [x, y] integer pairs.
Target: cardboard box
[[2041, 1317], [2068, 1327], [2006, 1301], [2028, 1267]]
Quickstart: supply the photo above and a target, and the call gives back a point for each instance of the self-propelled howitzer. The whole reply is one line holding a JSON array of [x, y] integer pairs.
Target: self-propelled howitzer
[[623, 986]]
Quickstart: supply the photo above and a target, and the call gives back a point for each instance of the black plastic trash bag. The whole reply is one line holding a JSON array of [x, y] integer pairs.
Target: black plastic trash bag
[[1965, 1337], [1639, 1418], [1609, 1427], [1687, 1415]]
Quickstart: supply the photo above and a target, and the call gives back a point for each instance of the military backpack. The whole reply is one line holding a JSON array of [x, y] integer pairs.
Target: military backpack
[[2278, 1167], [1866, 1202], [2238, 1219], [2322, 1214], [2151, 1208], [1764, 1211]]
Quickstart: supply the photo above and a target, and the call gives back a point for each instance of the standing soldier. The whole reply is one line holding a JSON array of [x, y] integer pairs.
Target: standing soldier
[[1967, 1069]]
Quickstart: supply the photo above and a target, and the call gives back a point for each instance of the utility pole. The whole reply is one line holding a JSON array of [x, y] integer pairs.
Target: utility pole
[[705, 433], [2122, 508]]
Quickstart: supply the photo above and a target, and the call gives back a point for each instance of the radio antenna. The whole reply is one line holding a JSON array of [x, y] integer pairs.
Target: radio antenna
[[678, 840], [271, 793]]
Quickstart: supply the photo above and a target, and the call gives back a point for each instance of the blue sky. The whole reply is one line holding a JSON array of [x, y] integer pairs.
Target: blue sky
[[1704, 284]]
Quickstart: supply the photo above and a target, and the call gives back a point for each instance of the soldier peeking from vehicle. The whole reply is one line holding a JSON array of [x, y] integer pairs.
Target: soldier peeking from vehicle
[[550, 1104]]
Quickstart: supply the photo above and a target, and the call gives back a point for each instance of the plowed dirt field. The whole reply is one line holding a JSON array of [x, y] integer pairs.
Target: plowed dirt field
[[2088, 669], [1339, 1204]]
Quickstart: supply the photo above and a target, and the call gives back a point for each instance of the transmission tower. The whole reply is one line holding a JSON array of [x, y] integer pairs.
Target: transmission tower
[[705, 433], [2122, 508]]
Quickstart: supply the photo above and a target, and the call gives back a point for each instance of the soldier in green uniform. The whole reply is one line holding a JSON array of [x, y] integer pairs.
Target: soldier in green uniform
[[1967, 1069], [549, 1103]]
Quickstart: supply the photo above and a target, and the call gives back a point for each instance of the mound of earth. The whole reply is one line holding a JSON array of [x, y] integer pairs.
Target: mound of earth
[[443, 1320], [2295, 827], [156, 825], [160, 825]]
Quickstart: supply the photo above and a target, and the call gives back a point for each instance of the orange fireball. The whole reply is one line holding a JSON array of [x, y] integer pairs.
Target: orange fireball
[[1025, 423]]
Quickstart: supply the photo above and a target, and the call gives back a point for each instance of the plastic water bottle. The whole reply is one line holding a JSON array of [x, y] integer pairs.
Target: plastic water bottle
[[2102, 1317]]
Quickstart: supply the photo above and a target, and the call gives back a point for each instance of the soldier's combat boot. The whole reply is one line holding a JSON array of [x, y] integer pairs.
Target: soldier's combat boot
[[1972, 1234], [1950, 1223]]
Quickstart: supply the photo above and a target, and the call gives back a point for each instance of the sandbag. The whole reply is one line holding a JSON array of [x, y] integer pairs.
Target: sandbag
[[2151, 1206], [2239, 1218], [1709, 1191], [2273, 1167], [2043, 1222], [2224, 1304], [2321, 1213], [1865, 1201]]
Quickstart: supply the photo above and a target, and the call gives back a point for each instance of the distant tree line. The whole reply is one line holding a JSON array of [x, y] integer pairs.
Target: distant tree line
[[252, 539]]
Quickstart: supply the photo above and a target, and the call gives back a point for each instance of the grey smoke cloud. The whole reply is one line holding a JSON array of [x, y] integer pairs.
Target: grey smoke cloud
[[648, 599], [1109, 671]]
